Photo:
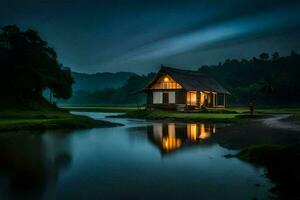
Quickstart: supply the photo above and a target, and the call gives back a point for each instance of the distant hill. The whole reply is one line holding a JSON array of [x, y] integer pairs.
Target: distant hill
[[126, 94], [100, 81], [266, 80]]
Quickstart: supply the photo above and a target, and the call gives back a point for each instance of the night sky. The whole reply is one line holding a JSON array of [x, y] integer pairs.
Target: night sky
[[139, 36]]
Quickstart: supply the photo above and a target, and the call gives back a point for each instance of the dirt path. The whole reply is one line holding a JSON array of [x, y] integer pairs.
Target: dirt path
[[278, 121], [278, 129]]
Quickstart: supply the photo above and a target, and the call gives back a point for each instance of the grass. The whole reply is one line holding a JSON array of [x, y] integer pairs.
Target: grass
[[101, 108], [180, 116], [262, 110], [131, 107], [260, 154], [268, 109], [282, 165], [231, 114], [70, 122], [43, 116]]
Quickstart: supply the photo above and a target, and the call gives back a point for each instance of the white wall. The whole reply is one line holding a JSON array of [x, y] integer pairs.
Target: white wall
[[171, 97], [158, 97]]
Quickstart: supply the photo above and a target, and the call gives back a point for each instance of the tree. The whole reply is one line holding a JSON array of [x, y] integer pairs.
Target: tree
[[264, 56], [275, 56], [29, 66], [62, 87], [293, 53]]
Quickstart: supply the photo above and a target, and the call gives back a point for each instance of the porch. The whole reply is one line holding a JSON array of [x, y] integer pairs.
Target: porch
[[199, 100]]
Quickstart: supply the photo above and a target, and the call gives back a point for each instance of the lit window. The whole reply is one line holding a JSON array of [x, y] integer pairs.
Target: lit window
[[191, 98], [166, 82]]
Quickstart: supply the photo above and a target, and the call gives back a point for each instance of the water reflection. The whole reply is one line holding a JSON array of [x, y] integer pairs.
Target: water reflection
[[170, 136], [121, 163], [32, 164]]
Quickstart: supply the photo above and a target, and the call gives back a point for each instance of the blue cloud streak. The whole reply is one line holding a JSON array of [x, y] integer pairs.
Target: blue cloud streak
[[230, 30]]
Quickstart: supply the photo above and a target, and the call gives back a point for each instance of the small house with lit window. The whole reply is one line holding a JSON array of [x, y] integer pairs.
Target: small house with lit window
[[180, 89]]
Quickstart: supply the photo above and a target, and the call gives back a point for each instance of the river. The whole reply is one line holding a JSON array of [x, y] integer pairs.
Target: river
[[141, 160]]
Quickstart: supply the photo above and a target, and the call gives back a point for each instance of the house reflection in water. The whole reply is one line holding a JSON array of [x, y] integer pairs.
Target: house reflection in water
[[199, 131], [171, 136], [165, 136]]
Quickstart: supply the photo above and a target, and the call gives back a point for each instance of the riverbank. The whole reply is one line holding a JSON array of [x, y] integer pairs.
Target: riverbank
[[58, 122], [133, 147], [282, 164], [269, 139], [242, 134], [230, 115], [100, 108], [44, 116], [272, 143], [174, 116]]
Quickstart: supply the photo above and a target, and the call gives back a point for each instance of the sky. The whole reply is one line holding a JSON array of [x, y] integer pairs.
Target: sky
[[141, 35]]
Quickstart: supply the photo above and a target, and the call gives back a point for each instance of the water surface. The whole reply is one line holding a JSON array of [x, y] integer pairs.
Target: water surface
[[141, 160]]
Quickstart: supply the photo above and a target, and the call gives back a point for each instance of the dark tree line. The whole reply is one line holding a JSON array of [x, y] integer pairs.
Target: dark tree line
[[29, 66], [129, 93], [267, 80]]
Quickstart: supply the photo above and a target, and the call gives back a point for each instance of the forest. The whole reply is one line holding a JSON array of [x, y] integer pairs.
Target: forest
[[29, 66], [265, 80]]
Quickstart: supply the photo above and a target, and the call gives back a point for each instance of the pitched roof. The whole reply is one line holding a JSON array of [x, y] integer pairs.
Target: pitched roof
[[191, 80]]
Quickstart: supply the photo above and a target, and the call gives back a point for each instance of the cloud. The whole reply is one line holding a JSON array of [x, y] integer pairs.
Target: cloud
[[230, 30]]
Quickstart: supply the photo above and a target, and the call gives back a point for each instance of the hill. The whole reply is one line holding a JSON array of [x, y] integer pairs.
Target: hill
[[125, 94], [266, 80], [99, 81]]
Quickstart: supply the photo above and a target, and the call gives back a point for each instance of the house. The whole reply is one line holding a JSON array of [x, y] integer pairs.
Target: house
[[180, 89]]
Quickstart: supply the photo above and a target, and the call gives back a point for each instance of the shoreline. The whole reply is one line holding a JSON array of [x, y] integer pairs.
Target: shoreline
[[251, 135], [43, 120], [173, 116], [275, 148]]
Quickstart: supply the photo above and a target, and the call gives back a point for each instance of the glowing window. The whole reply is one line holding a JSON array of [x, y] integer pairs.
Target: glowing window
[[191, 98], [166, 82]]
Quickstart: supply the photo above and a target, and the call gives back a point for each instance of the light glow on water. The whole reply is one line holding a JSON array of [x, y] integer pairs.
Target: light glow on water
[[142, 160]]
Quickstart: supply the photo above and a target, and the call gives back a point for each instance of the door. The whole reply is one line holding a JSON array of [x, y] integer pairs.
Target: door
[[165, 98]]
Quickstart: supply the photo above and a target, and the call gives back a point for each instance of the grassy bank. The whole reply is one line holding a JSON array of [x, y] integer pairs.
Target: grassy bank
[[100, 108], [231, 114], [273, 110], [43, 116], [65, 121], [226, 117], [282, 163], [268, 109]]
